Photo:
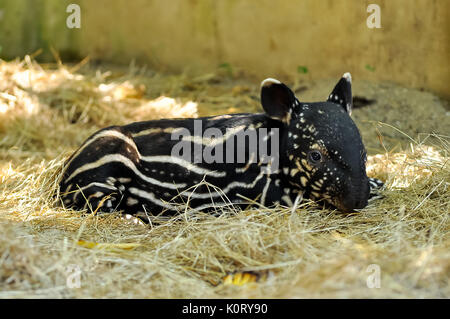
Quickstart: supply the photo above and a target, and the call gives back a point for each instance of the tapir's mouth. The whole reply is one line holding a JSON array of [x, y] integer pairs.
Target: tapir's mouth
[[350, 207], [334, 202]]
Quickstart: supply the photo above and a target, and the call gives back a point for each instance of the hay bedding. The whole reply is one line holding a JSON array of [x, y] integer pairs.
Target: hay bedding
[[47, 111]]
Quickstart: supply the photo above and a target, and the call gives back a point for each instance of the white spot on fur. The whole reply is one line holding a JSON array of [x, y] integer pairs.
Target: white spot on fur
[[132, 201]]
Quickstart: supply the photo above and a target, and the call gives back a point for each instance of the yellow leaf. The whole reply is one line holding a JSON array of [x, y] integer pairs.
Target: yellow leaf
[[240, 278], [107, 246]]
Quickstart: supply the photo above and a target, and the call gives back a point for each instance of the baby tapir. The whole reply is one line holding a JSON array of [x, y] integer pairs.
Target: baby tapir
[[293, 150]]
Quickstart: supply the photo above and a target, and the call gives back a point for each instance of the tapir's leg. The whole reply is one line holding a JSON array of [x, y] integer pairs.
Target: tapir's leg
[[375, 187], [96, 174], [94, 194]]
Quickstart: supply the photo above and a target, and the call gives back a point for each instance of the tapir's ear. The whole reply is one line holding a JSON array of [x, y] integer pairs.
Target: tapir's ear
[[277, 99], [342, 93]]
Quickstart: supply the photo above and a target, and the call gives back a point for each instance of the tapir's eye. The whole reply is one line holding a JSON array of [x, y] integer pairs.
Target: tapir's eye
[[314, 156]]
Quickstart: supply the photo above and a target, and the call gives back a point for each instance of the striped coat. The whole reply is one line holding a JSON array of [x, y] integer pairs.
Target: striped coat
[[293, 150]]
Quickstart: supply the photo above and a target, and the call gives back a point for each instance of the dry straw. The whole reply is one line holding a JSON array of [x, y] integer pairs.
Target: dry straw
[[48, 251]]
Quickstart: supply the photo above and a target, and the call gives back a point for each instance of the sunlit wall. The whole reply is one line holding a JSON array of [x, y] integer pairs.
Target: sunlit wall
[[314, 38]]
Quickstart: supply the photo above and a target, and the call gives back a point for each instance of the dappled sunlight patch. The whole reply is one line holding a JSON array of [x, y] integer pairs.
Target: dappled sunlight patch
[[405, 168], [20, 81], [19, 101], [28, 89], [163, 107], [47, 111], [120, 91], [7, 171]]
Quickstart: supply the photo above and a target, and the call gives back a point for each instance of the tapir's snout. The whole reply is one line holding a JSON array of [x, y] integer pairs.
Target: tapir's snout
[[356, 197]]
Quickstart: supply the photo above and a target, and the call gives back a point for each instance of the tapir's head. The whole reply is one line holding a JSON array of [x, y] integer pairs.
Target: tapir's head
[[325, 156]]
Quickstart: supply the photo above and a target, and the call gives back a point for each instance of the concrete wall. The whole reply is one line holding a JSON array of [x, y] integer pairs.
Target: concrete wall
[[261, 37]]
